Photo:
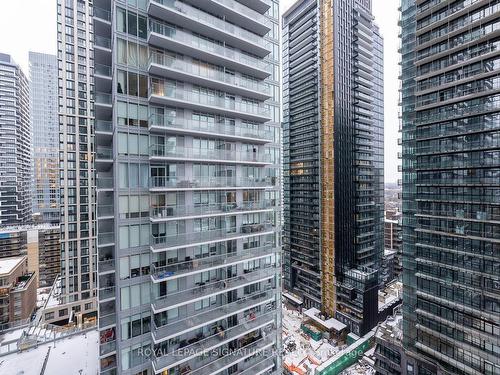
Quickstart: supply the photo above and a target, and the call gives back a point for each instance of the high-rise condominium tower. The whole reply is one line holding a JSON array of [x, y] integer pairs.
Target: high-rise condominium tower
[[187, 153], [45, 125], [76, 156], [451, 185], [15, 144], [333, 158]]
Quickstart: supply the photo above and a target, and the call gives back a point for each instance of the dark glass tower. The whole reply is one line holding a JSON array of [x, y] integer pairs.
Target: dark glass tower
[[333, 158], [451, 185]]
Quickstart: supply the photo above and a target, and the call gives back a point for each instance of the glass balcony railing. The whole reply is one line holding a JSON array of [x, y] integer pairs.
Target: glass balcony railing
[[238, 355], [104, 126], [166, 151], [103, 42], [213, 74], [102, 13], [107, 347], [104, 153], [214, 288], [103, 70], [239, 130], [105, 238], [105, 182], [257, 365], [223, 102], [198, 265], [209, 209], [207, 46], [212, 315], [208, 19], [183, 239], [103, 98], [107, 320], [105, 293], [242, 9], [248, 323], [180, 182], [106, 265], [105, 210]]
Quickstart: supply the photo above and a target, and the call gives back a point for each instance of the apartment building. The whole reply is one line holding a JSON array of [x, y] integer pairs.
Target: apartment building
[[333, 158], [187, 162], [75, 39], [451, 185], [39, 243], [17, 290], [45, 126], [15, 144], [393, 241]]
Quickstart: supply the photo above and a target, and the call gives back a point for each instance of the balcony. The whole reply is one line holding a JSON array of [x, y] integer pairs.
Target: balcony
[[240, 131], [104, 183], [105, 211], [106, 293], [159, 152], [259, 366], [238, 13], [104, 127], [102, 14], [104, 154], [103, 99], [185, 268], [166, 213], [162, 243], [106, 320], [188, 17], [239, 355], [189, 44], [103, 71], [166, 183], [105, 239], [194, 322], [107, 347], [213, 289], [247, 324], [107, 265], [102, 43], [178, 69], [165, 94], [205, 290]]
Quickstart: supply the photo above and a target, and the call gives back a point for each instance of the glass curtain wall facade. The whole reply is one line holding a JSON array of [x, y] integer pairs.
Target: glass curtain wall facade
[[76, 155], [333, 158], [451, 184], [45, 124], [301, 153], [187, 143], [15, 141]]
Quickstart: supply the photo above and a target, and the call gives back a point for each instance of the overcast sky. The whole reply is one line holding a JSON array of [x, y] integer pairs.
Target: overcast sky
[[30, 25]]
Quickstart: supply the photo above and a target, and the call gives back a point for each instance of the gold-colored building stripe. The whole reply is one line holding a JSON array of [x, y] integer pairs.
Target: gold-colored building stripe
[[327, 157]]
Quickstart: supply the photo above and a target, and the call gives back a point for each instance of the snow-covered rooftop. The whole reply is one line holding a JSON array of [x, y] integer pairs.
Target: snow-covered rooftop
[[329, 324], [78, 354], [8, 264]]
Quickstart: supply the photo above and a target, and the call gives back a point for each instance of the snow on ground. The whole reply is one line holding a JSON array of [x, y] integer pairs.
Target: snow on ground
[[302, 354], [67, 356]]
